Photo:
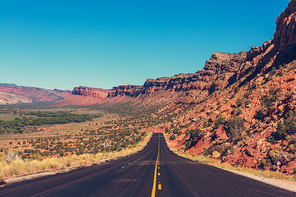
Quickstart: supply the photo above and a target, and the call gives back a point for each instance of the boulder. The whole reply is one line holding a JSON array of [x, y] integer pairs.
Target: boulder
[[216, 155]]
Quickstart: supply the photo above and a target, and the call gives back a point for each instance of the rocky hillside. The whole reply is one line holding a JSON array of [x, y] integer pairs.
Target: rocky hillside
[[248, 117], [13, 94]]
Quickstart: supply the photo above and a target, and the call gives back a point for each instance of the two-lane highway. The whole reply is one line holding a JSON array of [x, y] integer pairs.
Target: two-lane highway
[[155, 171]]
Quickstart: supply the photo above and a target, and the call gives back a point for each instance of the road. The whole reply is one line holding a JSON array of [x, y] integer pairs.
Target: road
[[155, 171]]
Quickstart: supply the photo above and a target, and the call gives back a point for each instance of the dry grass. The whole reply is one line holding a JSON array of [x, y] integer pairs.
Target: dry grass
[[20, 167]]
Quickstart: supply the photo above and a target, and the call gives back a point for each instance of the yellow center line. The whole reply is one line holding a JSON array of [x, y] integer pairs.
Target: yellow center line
[[155, 172], [159, 186]]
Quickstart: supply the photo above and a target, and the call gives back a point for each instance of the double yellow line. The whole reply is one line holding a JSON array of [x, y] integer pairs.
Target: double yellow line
[[155, 172]]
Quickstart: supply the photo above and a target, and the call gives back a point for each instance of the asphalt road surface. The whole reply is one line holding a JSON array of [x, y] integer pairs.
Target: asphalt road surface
[[155, 171]]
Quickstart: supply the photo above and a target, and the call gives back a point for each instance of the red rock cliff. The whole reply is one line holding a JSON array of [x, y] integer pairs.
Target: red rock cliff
[[286, 27], [93, 92], [215, 75]]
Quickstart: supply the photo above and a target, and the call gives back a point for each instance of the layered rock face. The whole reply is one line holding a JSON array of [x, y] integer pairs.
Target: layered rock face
[[125, 90], [286, 27], [93, 92], [218, 69]]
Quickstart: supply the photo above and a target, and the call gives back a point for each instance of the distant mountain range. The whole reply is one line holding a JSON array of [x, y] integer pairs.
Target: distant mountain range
[[5, 84], [13, 94]]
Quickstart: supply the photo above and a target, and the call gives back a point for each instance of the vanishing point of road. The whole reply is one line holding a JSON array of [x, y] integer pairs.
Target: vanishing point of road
[[154, 171]]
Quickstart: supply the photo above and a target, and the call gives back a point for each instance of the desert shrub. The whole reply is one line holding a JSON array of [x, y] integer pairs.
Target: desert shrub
[[294, 170], [220, 121], [259, 115], [212, 148], [235, 127], [194, 136], [246, 95], [172, 137], [60, 117], [273, 71], [188, 144], [268, 100], [291, 147], [187, 132], [166, 130], [237, 139], [225, 151], [207, 124], [176, 130], [9, 155], [263, 164], [271, 139], [194, 133], [36, 156], [239, 102], [283, 129]]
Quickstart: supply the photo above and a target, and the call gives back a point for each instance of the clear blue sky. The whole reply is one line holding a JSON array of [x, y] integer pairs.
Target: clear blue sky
[[62, 44]]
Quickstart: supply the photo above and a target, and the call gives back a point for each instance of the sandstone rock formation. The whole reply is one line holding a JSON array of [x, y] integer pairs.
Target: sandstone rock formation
[[214, 76], [286, 27], [125, 90], [92, 92]]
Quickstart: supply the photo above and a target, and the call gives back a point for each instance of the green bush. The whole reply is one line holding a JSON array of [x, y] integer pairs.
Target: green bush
[[225, 151], [283, 129], [246, 95], [220, 121], [212, 148], [239, 102], [235, 127], [166, 130], [188, 144], [187, 132], [259, 115], [44, 118], [172, 137]]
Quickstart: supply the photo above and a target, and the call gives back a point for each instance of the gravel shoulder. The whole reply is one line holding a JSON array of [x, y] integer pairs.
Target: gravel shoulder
[[284, 184]]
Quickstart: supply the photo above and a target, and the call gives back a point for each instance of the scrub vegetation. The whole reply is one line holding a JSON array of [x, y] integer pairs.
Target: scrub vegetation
[[69, 138]]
